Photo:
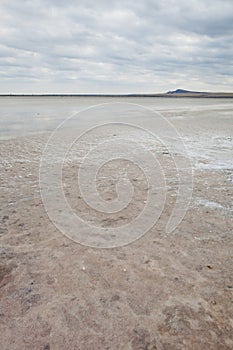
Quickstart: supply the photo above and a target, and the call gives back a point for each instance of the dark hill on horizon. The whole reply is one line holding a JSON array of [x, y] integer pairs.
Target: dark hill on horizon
[[203, 94], [181, 91]]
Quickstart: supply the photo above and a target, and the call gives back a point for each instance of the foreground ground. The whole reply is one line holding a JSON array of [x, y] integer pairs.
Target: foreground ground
[[159, 292]]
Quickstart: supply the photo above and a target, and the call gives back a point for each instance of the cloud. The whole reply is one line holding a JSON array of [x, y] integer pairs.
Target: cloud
[[108, 46]]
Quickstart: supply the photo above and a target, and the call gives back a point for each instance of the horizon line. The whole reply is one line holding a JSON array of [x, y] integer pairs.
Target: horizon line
[[168, 94]]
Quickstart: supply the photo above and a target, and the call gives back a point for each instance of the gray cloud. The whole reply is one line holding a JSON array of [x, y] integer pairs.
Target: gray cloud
[[106, 46]]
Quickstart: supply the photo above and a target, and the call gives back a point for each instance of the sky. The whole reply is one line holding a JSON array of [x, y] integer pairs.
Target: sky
[[124, 46]]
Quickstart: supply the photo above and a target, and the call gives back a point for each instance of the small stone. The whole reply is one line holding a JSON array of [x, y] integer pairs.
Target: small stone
[[5, 218], [147, 261], [115, 297]]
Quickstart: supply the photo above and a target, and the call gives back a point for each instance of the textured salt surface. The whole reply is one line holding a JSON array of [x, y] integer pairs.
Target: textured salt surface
[[160, 292]]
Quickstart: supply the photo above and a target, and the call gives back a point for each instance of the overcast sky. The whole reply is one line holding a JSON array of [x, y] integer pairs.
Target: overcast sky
[[62, 46]]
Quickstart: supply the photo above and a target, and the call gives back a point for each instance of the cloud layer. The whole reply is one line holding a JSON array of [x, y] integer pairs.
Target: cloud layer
[[56, 46]]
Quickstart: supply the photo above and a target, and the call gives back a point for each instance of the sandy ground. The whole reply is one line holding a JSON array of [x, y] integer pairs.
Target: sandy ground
[[160, 292]]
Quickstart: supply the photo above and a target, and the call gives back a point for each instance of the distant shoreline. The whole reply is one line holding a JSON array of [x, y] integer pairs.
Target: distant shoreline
[[163, 95]]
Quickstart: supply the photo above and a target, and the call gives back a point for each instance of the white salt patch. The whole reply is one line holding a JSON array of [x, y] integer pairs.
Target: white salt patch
[[209, 204]]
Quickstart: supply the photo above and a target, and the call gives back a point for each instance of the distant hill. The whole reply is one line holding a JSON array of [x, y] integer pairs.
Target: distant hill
[[187, 93], [181, 91]]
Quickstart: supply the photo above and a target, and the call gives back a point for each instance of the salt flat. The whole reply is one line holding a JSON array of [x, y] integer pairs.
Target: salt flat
[[161, 291]]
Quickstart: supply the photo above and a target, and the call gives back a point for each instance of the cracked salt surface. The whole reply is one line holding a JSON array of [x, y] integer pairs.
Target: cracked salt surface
[[210, 153]]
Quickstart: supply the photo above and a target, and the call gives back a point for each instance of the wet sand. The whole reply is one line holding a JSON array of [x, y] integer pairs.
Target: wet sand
[[163, 291]]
